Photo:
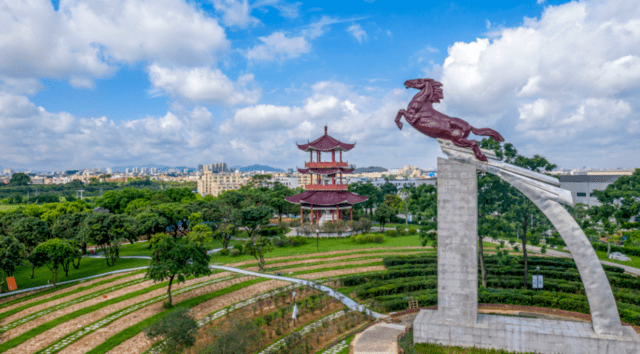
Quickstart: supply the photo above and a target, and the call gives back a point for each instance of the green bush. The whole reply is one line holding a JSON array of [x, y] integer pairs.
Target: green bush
[[281, 243], [392, 233], [234, 252], [239, 247], [224, 252], [297, 241], [412, 231], [178, 328]]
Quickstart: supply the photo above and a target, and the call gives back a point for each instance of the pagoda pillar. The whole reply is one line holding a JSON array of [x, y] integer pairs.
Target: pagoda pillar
[[310, 156], [340, 155], [351, 214], [340, 175], [333, 220], [301, 215], [333, 156], [311, 214], [319, 156]]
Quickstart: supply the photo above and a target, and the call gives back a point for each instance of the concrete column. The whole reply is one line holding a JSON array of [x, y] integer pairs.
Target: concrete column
[[457, 242]]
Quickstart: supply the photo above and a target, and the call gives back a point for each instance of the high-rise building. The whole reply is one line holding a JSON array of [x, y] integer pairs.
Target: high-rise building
[[219, 167], [109, 170]]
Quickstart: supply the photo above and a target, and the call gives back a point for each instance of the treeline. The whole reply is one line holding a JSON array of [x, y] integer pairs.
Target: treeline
[[56, 235]]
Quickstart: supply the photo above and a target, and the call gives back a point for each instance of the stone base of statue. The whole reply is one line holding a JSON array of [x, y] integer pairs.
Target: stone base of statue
[[457, 322], [522, 335]]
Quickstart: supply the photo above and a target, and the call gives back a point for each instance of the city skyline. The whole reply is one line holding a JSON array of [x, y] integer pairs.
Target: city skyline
[[242, 82]]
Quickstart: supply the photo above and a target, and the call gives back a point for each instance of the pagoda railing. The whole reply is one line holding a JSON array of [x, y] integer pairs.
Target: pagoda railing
[[326, 187], [326, 164]]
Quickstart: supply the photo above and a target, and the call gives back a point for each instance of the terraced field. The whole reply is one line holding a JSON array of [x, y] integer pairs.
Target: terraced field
[[108, 315]]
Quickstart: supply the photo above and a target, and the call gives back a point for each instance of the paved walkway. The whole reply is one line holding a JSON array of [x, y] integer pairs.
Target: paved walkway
[[342, 298], [381, 338]]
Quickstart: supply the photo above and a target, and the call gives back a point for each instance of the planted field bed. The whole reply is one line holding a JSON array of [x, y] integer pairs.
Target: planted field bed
[[415, 276], [109, 314]]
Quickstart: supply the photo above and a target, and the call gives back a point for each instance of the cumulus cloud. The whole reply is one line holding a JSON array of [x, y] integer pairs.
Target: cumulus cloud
[[35, 138], [204, 84], [86, 39], [278, 47], [357, 32], [235, 13], [570, 75]]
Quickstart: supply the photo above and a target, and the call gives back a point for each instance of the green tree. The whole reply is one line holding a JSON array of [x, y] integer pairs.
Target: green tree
[[252, 218], [367, 189], [178, 328], [200, 234], [514, 205], [388, 189], [54, 254], [19, 179], [30, 231], [258, 248], [67, 227], [106, 231], [224, 233], [150, 223], [177, 259], [384, 213], [176, 215], [12, 253]]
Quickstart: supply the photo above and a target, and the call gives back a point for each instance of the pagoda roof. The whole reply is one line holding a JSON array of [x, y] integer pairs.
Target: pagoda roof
[[326, 198], [326, 143], [325, 171]]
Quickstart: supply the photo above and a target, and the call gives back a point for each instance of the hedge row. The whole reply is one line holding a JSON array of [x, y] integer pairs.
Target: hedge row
[[629, 251]]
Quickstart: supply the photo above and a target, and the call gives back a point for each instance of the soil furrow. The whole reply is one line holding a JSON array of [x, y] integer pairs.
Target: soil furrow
[[44, 339], [94, 339], [34, 309], [46, 296]]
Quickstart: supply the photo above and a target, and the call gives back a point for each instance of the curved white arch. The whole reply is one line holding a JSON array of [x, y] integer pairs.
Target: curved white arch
[[545, 193]]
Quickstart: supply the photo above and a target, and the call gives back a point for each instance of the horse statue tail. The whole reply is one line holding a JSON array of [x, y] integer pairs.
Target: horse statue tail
[[487, 132]]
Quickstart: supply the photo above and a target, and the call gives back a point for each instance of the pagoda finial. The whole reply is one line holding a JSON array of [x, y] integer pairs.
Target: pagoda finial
[[325, 130]]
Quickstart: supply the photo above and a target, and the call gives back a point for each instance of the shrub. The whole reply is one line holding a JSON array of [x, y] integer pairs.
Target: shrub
[[178, 328], [239, 247], [297, 241], [412, 231], [281, 243], [234, 252], [392, 233], [224, 252]]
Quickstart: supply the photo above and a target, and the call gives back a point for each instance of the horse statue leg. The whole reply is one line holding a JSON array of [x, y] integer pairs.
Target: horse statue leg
[[473, 145], [400, 114]]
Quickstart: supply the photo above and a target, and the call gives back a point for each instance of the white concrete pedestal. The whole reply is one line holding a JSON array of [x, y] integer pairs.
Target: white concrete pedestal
[[523, 335]]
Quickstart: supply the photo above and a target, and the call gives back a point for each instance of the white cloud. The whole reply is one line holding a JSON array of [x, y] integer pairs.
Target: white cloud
[[571, 76], [235, 13], [357, 32], [86, 39], [35, 138], [204, 84], [277, 46]]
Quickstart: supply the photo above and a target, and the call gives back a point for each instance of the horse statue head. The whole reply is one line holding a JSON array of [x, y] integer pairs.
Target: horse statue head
[[432, 89]]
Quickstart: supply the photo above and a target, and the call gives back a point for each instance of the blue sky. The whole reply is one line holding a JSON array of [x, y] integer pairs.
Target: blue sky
[[125, 82]]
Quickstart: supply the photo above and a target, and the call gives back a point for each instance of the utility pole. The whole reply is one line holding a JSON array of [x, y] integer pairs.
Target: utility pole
[[80, 190]]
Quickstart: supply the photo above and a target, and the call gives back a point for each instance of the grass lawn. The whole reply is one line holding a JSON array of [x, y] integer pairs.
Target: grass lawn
[[141, 248], [325, 245], [88, 267], [634, 262]]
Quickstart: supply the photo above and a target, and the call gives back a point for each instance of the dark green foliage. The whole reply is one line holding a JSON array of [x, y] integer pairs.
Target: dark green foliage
[[177, 259], [19, 179], [178, 328], [12, 252], [238, 335], [367, 238]]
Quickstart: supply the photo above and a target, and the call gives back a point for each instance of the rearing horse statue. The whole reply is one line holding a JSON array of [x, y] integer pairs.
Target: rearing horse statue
[[421, 115]]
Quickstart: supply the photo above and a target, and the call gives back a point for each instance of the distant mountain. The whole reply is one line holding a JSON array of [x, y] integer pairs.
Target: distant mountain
[[257, 168], [370, 169]]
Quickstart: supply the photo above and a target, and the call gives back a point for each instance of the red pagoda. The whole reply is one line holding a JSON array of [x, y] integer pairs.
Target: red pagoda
[[324, 194]]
